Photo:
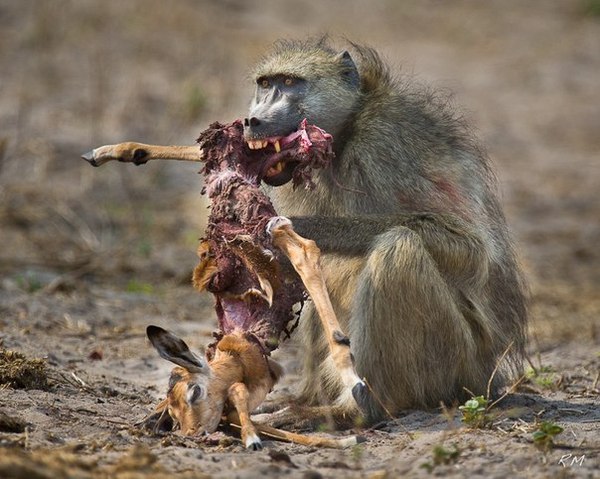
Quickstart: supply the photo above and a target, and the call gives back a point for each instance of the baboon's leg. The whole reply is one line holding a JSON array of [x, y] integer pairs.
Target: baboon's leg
[[304, 256], [238, 395], [139, 153], [409, 339]]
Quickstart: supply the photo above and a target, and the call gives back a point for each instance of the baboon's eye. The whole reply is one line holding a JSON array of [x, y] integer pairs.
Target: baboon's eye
[[263, 82], [288, 81]]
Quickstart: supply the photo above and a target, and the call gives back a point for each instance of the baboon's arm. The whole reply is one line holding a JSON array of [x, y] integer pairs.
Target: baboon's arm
[[139, 153], [453, 244]]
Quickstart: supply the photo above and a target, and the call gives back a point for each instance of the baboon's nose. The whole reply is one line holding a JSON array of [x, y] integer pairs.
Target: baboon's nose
[[252, 121]]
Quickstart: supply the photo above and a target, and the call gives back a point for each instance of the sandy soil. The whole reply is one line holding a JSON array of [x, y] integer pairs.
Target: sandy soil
[[90, 257]]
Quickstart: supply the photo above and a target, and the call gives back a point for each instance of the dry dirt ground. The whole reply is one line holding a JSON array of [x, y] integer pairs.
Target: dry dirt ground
[[90, 257]]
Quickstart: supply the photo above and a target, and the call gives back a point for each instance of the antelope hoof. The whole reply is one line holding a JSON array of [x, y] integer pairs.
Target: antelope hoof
[[253, 442], [361, 395], [277, 222], [89, 157]]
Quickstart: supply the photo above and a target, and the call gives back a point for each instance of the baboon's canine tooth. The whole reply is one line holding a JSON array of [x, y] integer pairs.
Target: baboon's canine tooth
[[277, 146]]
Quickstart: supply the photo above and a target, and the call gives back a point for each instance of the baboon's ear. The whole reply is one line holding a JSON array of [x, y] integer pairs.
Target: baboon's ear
[[349, 69], [174, 349]]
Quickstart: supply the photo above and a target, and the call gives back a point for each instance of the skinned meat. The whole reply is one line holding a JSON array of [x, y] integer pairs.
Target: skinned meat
[[253, 292]]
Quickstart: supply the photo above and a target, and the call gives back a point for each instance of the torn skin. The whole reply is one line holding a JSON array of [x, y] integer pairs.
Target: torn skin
[[238, 262]]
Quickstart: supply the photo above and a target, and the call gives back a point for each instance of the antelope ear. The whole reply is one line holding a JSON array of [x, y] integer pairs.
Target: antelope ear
[[174, 349]]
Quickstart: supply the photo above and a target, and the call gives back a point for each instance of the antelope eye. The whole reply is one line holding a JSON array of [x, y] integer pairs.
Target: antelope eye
[[195, 393], [288, 81]]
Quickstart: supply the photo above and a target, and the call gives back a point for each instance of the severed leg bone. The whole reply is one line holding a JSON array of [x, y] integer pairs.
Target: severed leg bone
[[139, 153], [304, 256]]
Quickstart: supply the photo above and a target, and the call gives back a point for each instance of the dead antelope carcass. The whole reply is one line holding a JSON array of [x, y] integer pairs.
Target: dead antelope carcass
[[240, 264], [231, 385]]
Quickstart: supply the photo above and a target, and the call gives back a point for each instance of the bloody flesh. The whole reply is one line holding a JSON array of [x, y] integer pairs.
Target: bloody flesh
[[238, 262]]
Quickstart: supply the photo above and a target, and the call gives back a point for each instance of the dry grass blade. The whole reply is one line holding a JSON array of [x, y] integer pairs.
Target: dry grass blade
[[498, 362]]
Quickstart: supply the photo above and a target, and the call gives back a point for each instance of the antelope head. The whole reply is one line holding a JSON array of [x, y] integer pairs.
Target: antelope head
[[196, 397]]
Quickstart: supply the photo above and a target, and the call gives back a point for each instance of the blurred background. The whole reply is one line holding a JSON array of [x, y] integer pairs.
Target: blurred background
[[76, 74]]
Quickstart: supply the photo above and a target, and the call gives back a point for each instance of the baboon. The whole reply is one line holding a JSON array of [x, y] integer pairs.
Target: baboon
[[419, 264], [420, 267]]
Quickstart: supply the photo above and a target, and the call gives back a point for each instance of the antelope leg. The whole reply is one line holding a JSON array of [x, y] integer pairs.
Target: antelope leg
[[139, 153], [304, 256], [238, 396], [314, 441], [234, 420]]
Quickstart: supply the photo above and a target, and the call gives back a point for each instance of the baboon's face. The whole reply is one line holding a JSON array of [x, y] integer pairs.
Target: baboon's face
[[276, 108], [275, 113], [294, 84]]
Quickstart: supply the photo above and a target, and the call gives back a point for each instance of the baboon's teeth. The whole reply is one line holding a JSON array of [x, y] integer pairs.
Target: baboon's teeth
[[260, 144], [257, 144]]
